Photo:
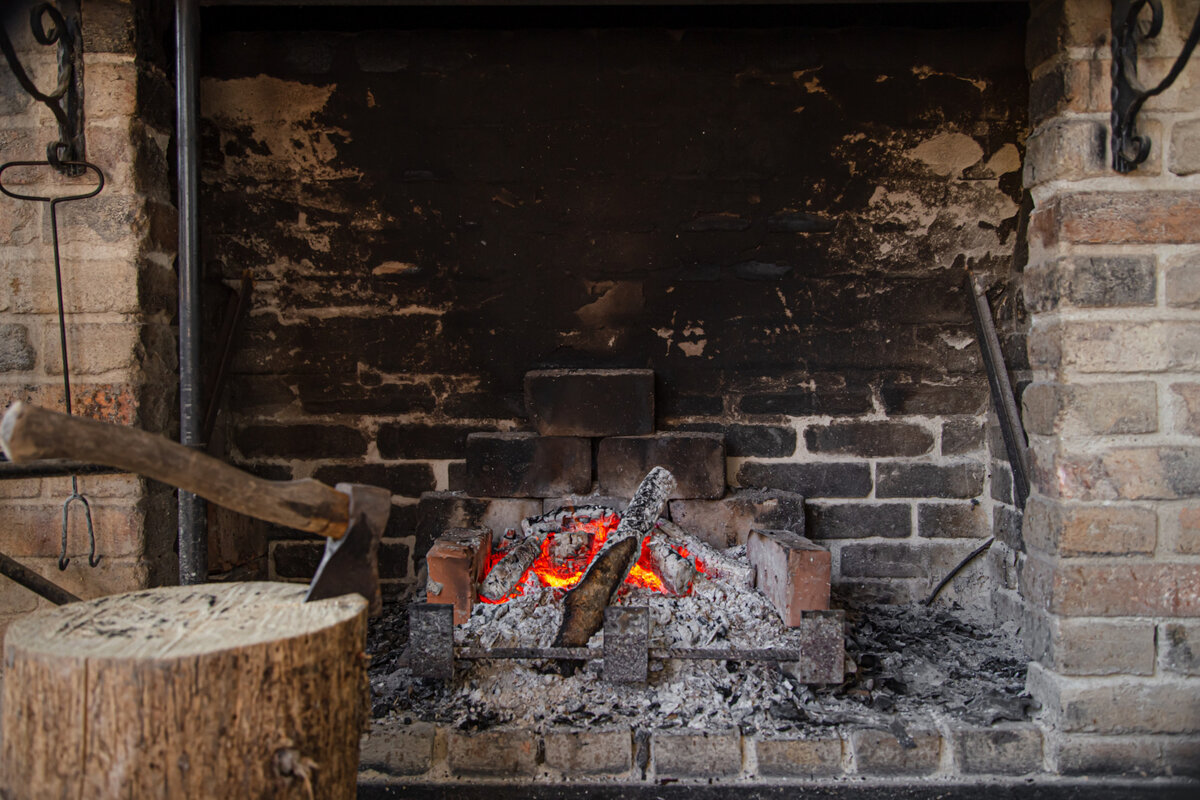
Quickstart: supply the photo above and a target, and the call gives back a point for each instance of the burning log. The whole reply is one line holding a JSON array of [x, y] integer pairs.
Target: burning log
[[676, 571], [583, 607], [714, 561], [508, 571]]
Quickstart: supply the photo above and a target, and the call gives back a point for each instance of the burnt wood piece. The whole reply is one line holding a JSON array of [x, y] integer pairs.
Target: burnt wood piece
[[508, 570], [554, 521], [677, 572], [714, 561], [583, 607], [590, 402]]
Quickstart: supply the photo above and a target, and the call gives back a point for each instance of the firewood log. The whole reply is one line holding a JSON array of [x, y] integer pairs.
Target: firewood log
[[716, 563], [508, 570], [583, 607], [677, 572]]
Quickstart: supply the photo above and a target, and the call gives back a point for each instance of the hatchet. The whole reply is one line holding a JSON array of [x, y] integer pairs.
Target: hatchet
[[351, 516]]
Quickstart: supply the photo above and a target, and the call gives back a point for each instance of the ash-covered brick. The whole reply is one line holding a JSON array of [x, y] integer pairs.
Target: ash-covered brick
[[16, 353], [1112, 281], [952, 520], [1004, 749], [811, 480], [406, 480], [697, 460], [1179, 647], [697, 755], [952, 481], [859, 520], [589, 752], [799, 758], [456, 564], [791, 571], [412, 441], [439, 511], [961, 436], [301, 441], [399, 750], [492, 753], [527, 465], [763, 441], [1098, 756], [601, 402], [909, 751], [727, 522], [872, 439]]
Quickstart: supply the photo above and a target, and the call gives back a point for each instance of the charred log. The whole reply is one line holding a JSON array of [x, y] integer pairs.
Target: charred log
[[676, 571], [715, 562], [507, 573]]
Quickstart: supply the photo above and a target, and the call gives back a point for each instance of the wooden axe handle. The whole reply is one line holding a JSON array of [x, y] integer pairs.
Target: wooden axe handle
[[30, 433]]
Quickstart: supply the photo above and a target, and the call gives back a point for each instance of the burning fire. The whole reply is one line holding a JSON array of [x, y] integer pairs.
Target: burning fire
[[566, 572]]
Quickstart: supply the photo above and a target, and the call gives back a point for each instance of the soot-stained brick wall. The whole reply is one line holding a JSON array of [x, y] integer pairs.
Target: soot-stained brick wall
[[776, 221]]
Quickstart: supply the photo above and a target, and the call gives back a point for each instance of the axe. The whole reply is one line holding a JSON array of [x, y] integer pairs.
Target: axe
[[352, 516]]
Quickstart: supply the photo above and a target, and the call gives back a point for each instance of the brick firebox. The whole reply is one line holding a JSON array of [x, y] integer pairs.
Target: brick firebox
[[1103, 571]]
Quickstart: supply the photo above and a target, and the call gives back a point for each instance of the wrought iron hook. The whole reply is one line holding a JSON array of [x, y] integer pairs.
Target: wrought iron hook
[[1128, 93]]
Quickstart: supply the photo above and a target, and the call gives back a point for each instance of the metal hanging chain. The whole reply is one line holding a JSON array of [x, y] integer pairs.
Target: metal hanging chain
[[80, 167]]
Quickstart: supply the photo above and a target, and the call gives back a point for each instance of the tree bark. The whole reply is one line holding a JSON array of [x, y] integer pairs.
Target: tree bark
[[212, 691]]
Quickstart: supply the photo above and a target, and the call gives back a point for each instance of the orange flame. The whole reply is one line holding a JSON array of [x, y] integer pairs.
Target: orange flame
[[565, 573]]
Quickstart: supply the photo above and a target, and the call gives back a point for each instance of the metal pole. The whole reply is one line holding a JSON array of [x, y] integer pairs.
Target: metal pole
[[193, 533]]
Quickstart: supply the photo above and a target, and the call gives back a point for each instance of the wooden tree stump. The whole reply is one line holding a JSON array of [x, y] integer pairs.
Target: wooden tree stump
[[218, 691]]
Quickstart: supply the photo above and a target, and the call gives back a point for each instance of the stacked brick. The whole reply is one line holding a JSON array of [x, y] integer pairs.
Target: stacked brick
[[119, 294], [1109, 581]]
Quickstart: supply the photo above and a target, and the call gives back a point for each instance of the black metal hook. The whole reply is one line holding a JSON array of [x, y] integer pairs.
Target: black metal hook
[[81, 167], [1128, 93]]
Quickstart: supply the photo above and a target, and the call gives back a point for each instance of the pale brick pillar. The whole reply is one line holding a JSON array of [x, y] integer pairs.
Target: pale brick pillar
[[1110, 576], [119, 291]]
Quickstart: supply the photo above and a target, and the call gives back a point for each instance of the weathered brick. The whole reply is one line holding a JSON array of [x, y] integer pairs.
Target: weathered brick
[[1102, 647], [1002, 482], [1179, 647], [590, 752], [799, 758], [961, 436], [398, 749], [859, 520], [762, 441], [1107, 281], [879, 752], [1187, 419], [1104, 589], [423, 441], [322, 442], [727, 522], [1183, 526], [1089, 530], [1069, 86], [923, 559], [1182, 288], [697, 460], [1091, 409], [296, 560], [615, 503], [24, 488], [1005, 749], [1130, 473], [16, 353], [711, 754], [1008, 526], [1119, 706], [1184, 152], [836, 401], [492, 753], [1056, 25], [872, 439], [953, 481], [966, 396], [440, 511], [600, 402], [456, 563], [1098, 756], [791, 571], [1152, 217], [406, 480], [320, 395], [811, 480], [527, 465], [35, 530], [1066, 149], [952, 520]]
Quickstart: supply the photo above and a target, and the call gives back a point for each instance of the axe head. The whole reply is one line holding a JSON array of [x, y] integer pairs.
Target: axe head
[[351, 563]]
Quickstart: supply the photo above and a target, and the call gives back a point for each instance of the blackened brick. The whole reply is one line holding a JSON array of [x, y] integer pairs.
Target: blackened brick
[[323, 396], [810, 480], [456, 476], [603, 402], [301, 441], [689, 405], [960, 436], [727, 522], [297, 559], [484, 405], [1007, 526], [952, 520], [962, 481], [406, 480], [1002, 482], [859, 520], [423, 441], [845, 401], [899, 560], [393, 559], [869, 439], [697, 460], [437, 512], [966, 397], [762, 441], [1113, 281], [527, 465]]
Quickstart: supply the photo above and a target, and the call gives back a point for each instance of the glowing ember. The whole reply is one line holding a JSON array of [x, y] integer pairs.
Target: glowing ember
[[564, 572]]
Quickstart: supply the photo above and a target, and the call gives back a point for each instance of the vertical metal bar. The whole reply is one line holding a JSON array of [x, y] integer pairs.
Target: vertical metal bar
[[193, 533]]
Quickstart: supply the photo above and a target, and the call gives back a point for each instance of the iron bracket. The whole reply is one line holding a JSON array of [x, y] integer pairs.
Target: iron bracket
[[59, 26], [1128, 93]]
